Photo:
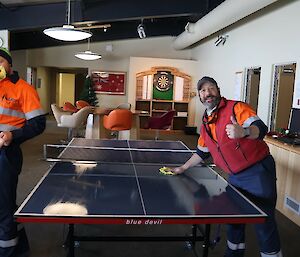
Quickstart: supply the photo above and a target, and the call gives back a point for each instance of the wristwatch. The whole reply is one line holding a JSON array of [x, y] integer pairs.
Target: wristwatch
[[246, 132]]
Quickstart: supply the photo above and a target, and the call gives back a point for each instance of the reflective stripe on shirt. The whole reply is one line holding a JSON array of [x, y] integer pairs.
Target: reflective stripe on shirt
[[12, 112], [33, 114], [5, 127], [249, 121], [203, 149]]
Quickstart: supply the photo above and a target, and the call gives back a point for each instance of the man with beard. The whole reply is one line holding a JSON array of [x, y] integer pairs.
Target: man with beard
[[233, 134]]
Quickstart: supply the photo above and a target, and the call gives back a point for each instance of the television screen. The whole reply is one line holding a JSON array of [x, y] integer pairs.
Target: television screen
[[294, 124]]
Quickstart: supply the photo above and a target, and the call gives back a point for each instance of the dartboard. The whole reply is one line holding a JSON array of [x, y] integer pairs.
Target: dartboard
[[163, 81]]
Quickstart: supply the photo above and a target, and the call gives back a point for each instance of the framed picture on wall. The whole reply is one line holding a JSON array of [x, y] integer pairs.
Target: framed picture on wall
[[107, 82]]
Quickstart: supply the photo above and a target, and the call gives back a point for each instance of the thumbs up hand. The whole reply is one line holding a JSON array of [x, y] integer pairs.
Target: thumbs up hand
[[234, 130]]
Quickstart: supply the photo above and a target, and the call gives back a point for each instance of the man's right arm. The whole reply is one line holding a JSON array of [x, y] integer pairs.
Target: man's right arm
[[201, 154], [193, 161]]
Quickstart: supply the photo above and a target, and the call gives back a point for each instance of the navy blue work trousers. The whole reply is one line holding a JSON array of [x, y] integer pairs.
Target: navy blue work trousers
[[257, 183], [12, 242]]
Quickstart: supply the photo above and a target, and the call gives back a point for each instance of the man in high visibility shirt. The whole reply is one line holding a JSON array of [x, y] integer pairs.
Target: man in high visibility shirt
[[21, 118], [233, 134]]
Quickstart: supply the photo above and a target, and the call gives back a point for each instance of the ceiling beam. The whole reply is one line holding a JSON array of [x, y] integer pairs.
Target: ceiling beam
[[48, 15], [37, 16]]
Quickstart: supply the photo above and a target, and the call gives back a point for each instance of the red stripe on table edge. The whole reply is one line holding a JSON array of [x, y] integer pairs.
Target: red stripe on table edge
[[123, 220]]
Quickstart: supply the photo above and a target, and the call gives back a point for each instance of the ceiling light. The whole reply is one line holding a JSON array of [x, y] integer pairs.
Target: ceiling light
[[88, 55], [221, 39], [67, 32], [141, 30]]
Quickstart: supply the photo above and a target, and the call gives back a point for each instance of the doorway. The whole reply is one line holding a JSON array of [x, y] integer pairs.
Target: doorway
[[282, 100], [252, 86]]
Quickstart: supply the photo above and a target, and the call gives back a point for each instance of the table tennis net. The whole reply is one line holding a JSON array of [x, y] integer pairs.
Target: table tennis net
[[58, 153]]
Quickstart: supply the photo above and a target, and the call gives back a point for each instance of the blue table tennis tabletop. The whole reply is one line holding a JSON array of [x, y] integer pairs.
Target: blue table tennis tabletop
[[118, 182]]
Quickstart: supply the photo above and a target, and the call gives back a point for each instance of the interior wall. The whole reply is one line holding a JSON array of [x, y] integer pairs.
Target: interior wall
[[266, 38], [116, 60], [43, 87], [140, 64], [65, 88], [19, 59]]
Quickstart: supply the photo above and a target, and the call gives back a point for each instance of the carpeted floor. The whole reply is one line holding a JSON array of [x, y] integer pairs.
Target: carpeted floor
[[46, 240]]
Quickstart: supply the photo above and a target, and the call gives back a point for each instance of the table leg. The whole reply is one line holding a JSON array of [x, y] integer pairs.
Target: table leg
[[135, 129], [92, 130], [206, 242], [70, 241]]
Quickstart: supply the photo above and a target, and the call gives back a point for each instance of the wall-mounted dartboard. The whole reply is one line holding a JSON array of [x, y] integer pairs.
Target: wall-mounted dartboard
[[163, 80], [163, 85]]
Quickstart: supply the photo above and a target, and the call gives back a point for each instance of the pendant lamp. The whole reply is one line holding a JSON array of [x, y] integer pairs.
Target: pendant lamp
[[88, 55], [67, 32]]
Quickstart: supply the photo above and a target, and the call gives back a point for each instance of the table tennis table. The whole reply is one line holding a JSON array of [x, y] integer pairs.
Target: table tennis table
[[118, 182]]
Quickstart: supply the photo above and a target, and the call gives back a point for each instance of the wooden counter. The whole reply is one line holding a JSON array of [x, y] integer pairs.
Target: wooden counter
[[287, 159]]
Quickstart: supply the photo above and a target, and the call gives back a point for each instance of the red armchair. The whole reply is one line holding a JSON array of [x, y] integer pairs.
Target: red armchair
[[161, 122]]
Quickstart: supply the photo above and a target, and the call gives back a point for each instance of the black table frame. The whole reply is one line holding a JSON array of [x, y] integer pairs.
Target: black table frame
[[192, 239]]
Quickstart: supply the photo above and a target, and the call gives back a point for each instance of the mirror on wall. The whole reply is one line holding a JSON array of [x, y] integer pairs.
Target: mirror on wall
[[252, 86], [282, 100]]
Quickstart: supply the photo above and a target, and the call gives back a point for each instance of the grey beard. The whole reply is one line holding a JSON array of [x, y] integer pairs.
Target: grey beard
[[211, 106]]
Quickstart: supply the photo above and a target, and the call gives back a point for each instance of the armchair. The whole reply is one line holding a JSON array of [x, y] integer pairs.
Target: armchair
[[163, 122]]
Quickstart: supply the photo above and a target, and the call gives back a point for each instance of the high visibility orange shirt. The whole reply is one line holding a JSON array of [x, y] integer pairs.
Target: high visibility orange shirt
[[244, 116], [18, 102]]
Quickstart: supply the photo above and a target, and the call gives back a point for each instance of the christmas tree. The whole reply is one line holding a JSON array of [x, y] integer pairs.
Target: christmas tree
[[88, 93]]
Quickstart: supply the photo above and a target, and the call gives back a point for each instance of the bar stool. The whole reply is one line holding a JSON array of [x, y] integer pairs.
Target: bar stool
[[120, 121], [68, 107], [81, 103]]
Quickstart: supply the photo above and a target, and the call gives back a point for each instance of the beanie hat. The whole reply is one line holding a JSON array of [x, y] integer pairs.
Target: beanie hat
[[6, 55]]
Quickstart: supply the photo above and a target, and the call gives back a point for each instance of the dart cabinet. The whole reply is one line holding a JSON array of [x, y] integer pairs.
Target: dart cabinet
[[161, 89]]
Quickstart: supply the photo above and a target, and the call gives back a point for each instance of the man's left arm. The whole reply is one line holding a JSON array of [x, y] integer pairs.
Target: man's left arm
[[32, 128], [246, 124], [257, 130]]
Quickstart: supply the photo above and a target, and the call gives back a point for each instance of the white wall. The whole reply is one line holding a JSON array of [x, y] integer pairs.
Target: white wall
[[139, 64], [116, 60], [63, 56], [268, 37], [19, 59]]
